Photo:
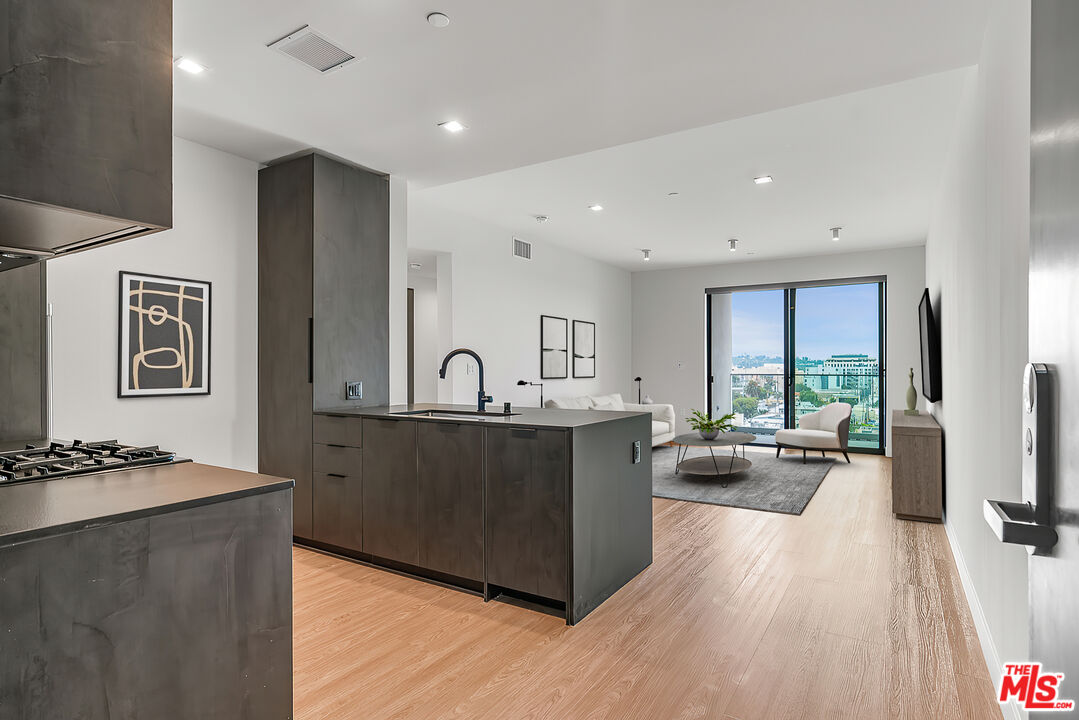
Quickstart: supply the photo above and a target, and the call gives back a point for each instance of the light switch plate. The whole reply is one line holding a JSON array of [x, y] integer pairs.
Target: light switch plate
[[353, 390]]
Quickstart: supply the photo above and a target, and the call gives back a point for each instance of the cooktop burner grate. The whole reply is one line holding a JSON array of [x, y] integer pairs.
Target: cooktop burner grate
[[58, 459]]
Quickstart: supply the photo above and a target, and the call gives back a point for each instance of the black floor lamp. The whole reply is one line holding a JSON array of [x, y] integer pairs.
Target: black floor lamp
[[534, 384], [638, 381]]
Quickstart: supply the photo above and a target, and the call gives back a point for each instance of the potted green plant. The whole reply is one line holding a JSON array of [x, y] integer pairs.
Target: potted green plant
[[710, 428]]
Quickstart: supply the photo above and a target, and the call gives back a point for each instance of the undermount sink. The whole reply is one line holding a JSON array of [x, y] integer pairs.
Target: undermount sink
[[456, 414]]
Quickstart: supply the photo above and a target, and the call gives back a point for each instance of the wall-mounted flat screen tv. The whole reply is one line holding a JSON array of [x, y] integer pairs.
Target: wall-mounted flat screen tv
[[930, 334]]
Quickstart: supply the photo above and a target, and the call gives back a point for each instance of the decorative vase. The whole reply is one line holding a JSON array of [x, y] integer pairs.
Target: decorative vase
[[709, 434], [912, 396]]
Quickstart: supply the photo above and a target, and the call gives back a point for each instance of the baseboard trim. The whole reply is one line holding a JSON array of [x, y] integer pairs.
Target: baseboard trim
[[985, 638]]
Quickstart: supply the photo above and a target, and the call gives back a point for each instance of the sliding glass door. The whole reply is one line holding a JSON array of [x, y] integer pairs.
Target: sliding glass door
[[749, 348], [776, 353]]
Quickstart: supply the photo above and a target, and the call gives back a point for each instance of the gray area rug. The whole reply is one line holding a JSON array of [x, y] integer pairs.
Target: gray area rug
[[782, 484]]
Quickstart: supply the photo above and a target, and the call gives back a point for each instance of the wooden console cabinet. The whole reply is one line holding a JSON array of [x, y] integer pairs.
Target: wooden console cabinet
[[917, 467]]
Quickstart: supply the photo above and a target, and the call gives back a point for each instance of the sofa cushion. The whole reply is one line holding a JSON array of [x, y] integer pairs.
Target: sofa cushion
[[613, 399], [812, 439], [604, 406], [660, 428]]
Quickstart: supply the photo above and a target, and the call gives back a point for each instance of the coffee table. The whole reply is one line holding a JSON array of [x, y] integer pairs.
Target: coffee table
[[718, 466]]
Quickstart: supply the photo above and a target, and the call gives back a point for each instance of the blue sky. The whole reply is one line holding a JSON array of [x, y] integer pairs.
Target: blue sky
[[830, 321]]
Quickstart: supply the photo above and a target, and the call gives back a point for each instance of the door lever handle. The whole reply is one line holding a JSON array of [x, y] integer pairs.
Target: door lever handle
[[1029, 522]]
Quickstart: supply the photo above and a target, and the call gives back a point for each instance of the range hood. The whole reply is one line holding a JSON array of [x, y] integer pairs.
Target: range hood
[[85, 125]]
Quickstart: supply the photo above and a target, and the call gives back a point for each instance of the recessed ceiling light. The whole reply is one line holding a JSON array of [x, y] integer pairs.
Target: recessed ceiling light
[[733, 242], [453, 126], [835, 234], [647, 255], [541, 218], [439, 20], [190, 66], [763, 179], [595, 208], [414, 266]]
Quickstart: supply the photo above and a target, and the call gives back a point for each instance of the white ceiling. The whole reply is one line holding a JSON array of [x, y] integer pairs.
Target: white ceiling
[[869, 161], [535, 81]]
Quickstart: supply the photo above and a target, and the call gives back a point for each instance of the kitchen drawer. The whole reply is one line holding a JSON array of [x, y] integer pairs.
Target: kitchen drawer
[[337, 510], [338, 460], [335, 430]]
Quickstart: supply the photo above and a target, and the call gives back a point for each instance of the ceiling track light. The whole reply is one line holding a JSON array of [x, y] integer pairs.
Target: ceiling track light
[[595, 208], [647, 255], [733, 242], [763, 179], [835, 234], [453, 126]]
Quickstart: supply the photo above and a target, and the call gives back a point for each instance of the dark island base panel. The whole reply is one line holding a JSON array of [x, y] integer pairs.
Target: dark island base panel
[[489, 592], [420, 573], [551, 509], [187, 614]]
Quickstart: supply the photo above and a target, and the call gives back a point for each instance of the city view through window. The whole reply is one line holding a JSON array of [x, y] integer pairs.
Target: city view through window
[[836, 345]]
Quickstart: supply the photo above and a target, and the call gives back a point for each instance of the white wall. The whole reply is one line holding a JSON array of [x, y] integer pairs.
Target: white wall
[[496, 301], [669, 317], [213, 238], [976, 269]]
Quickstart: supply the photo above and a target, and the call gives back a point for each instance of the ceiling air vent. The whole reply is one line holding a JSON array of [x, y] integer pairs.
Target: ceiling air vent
[[522, 249], [313, 50]]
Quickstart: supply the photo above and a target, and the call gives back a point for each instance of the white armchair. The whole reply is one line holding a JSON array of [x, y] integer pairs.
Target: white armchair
[[825, 429], [663, 421]]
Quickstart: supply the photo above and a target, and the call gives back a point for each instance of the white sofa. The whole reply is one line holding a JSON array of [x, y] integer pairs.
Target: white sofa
[[663, 421], [825, 429]]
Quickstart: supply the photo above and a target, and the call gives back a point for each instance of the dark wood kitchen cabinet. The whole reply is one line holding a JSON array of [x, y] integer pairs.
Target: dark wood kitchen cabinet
[[391, 501], [527, 477], [323, 259], [450, 465], [337, 482]]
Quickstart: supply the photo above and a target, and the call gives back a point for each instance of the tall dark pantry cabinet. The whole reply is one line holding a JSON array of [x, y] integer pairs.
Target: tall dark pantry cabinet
[[323, 258]]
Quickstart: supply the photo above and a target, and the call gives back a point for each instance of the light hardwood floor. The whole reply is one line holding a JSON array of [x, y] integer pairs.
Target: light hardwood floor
[[843, 611]]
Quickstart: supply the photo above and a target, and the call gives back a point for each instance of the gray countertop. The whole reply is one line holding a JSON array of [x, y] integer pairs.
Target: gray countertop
[[526, 417], [31, 510]]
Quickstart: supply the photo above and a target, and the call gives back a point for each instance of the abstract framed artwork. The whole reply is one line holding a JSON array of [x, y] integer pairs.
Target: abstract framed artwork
[[584, 349], [164, 336], [554, 347]]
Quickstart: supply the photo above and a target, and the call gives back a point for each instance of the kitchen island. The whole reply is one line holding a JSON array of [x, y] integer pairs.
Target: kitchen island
[[157, 592], [553, 507]]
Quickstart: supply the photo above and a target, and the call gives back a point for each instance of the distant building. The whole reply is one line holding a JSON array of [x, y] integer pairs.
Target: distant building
[[859, 372]]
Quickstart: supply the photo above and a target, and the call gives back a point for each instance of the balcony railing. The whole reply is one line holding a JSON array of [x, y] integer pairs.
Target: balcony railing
[[811, 391]]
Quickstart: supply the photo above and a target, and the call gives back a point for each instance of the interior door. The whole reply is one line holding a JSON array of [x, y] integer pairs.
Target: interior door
[[1054, 322]]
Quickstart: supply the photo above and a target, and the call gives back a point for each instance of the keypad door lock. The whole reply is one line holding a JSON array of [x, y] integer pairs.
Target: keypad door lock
[[1029, 522]]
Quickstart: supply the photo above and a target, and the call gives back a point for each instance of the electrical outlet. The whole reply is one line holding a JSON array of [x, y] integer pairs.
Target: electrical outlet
[[636, 451], [353, 390], [470, 369]]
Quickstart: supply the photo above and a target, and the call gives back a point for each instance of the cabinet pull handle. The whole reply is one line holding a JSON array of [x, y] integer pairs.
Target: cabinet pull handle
[[310, 350], [335, 475]]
